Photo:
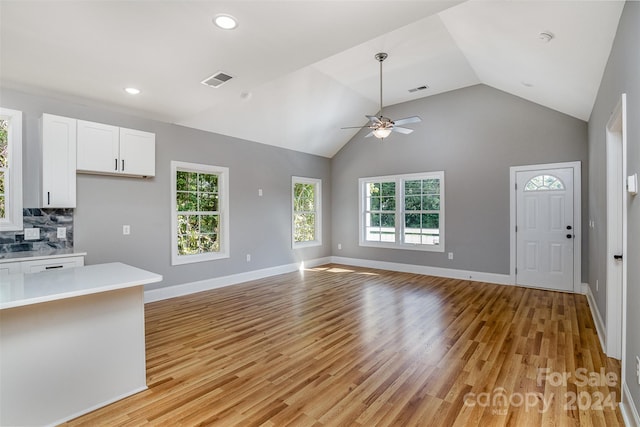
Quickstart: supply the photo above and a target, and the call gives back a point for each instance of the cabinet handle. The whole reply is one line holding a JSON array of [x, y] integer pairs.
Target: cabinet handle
[[52, 267], [48, 197], [116, 164], [122, 165]]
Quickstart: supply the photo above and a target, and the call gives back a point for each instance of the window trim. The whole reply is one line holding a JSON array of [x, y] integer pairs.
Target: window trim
[[13, 180], [318, 211], [223, 209], [399, 212]]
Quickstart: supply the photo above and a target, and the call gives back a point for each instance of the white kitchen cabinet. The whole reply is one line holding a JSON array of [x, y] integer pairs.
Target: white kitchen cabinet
[[137, 152], [34, 263], [10, 268], [58, 161], [98, 147], [51, 264], [106, 149]]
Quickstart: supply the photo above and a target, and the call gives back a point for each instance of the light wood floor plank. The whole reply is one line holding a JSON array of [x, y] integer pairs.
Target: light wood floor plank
[[345, 346]]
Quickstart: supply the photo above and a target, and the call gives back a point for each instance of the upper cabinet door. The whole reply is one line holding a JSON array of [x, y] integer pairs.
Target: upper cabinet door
[[58, 162], [98, 147], [137, 152]]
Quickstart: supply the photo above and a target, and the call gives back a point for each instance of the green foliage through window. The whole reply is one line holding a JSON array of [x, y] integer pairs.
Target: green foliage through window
[[197, 203], [380, 211], [4, 163], [305, 211]]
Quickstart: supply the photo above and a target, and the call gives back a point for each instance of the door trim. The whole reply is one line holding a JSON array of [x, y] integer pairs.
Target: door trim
[[616, 172], [577, 217]]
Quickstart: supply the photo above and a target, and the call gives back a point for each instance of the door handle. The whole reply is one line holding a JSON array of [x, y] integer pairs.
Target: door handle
[[617, 257], [569, 236], [569, 227]]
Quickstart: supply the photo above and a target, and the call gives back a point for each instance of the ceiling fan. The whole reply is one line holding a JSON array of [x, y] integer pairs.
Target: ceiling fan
[[381, 127]]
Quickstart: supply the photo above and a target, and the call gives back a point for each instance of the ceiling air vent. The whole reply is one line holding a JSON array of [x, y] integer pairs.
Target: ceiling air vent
[[217, 80], [416, 89]]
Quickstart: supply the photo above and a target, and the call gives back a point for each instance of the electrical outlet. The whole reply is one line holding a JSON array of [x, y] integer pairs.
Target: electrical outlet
[[248, 257], [450, 255], [597, 285], [31, 233], [339, 246], [126, 230], [260, 192], [62, 233], [638, 369]]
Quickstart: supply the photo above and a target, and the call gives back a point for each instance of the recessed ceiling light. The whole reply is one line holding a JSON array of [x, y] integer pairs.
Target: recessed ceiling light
[[226, 22], [132, 90]]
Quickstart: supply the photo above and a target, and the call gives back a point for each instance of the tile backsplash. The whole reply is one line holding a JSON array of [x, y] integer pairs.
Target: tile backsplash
[[48, 221]]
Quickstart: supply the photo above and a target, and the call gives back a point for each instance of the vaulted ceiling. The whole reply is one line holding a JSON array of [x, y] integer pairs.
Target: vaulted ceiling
[[303, 69]]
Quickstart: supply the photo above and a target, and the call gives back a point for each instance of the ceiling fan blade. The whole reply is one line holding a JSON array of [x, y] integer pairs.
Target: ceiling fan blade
[[407, 120], [354, 127], [374, 119], [405, 131]]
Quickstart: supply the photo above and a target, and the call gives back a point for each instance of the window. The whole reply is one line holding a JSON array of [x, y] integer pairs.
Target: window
[[10, 170], [306, 212], [403, 211], [544, 183], [199, 212]]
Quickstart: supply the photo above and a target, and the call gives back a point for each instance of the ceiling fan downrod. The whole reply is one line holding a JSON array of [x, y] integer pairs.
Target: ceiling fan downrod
[[381, 56]]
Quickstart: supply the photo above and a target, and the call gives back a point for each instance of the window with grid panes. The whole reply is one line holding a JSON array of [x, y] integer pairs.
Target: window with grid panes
[[403, 211], [199, 212], [10, 170], [306, 212]]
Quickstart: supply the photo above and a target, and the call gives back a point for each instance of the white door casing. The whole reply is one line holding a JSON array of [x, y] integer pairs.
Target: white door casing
[[616, 149], [545, 211]]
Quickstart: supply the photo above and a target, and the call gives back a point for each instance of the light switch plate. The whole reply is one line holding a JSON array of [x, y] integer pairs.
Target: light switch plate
[[62, 233], [31, 233], [632, 184]]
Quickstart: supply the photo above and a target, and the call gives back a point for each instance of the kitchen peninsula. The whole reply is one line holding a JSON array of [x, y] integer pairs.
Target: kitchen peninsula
[[71, 341]]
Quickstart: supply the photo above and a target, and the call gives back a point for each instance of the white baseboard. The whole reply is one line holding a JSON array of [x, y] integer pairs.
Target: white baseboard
[[98, 406], [597, 318], [628, 408], [220, 282], [584, 288], [500, 279]]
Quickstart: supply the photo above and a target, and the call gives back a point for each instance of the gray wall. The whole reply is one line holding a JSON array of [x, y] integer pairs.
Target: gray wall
[[260, 226], [622, 75], [474, 134]]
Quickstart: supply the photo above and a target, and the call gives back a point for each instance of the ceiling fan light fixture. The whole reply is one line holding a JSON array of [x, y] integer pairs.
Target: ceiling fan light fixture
[[382, 133]]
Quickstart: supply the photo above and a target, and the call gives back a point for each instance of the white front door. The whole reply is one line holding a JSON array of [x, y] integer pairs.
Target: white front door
[[544, 229]]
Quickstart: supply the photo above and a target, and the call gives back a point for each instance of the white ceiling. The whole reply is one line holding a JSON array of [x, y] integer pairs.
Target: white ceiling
[[303, 69]]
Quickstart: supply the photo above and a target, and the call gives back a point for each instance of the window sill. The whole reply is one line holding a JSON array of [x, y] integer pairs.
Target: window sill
[[408, 247], [190, 259], [311, 244]]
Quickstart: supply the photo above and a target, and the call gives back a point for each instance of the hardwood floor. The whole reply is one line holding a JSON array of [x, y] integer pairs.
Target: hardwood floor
[[343, 346]]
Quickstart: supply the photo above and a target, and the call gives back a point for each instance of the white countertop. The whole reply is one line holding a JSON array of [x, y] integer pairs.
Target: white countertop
[[19, 290]]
